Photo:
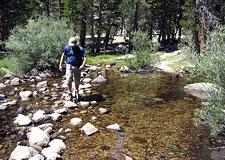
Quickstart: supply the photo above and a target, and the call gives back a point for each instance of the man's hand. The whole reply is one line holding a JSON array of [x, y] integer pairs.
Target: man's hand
[[81, 67], [60, 68]]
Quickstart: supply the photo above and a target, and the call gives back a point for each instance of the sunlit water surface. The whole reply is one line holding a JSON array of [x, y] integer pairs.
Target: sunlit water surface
[[153, 109]]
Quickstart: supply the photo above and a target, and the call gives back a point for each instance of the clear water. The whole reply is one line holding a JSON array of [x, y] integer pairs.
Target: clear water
[[153, 109]]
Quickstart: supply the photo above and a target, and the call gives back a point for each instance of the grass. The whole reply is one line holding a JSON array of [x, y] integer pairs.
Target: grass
[[105, 59], [9, 63]]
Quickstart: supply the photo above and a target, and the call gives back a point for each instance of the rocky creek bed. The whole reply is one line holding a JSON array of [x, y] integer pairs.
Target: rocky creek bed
[[119, 116]]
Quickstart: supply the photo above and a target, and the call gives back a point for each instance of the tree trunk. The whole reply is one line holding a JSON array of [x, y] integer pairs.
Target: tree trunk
[[47, 8], [203, 30], [92, 30], [99, 31], [136, 16], [196, 41], [107, 38], [2, 35], [60, 9], [83, 25]]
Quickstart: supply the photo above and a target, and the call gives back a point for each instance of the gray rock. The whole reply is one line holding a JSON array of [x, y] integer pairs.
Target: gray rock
[[25, 95], [114, 127], [50, 154], [9, 75], [58, 145], [15, 81], [124, 69], [84, 103], [61, 111], [45, 126], [76, 122], [39, 116], [37, 157], [3, 107], [199, 90], [56, 116], [42, 84], [70, 104], [22, 120], [2, 85], [108, 66], [128, 56], [98, 80], [89, 129], [87, 80], [103, 110], [22, 152], [38, 137], [205, 104]]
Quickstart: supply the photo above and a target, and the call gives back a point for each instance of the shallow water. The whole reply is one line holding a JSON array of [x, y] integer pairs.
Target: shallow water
[[154, 111]]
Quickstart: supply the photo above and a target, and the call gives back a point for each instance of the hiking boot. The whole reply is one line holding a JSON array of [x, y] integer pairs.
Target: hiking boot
[[68, 96]]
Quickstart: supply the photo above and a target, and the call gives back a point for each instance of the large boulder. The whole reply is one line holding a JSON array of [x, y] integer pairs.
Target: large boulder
[[199, 90]]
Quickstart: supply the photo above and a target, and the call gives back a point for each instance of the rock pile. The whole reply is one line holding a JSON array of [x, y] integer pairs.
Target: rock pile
[[35, 124]]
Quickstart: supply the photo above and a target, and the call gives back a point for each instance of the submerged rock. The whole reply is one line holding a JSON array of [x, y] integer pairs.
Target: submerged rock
[[89, 129], [103, 111], [114, 127], [76, 121], [98, 80]]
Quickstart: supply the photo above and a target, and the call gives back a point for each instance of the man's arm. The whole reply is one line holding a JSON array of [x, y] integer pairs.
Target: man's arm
[[61, 62], [84, 61]]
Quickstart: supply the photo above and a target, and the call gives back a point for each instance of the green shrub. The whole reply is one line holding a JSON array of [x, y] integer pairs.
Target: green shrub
[[11, 63], [144, 50], [40, 43], [212, 62]]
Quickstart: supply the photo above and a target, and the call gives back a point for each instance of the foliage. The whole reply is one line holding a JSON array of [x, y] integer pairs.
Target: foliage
[[212, 63], [144, 51], [40, 43], [10, 63]]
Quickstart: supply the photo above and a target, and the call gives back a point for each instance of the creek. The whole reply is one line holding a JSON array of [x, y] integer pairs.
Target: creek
[[153, 109]]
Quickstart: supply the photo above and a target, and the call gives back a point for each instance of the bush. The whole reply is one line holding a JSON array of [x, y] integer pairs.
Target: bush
[[11, 63], [144, 50], [40, 43], [212, 62]]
